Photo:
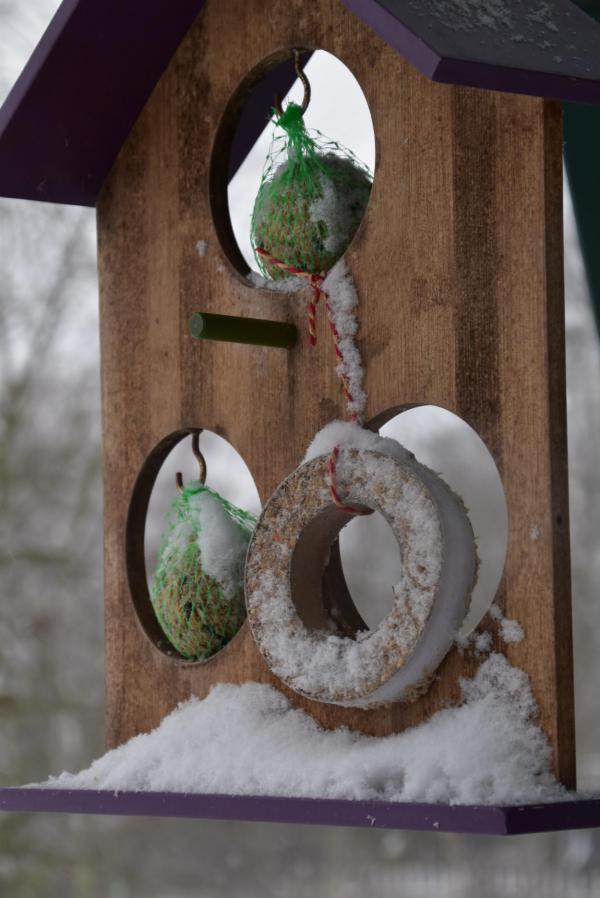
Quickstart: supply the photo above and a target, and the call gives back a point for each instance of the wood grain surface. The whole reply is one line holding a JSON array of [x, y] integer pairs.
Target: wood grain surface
[[458, 265]]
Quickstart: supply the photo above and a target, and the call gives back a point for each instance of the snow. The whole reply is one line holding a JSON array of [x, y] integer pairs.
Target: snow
[[342, 303], [223, 543], [526, 35], [483, 642], [511, 631], [494, 15], [342, 200], [534, 533], [283, 285], [346, 435], [248, 740], [480, 641], [543, 16], [468, 15]]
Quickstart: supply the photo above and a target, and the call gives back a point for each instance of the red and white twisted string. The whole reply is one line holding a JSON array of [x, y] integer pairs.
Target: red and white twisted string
[[315, 282]]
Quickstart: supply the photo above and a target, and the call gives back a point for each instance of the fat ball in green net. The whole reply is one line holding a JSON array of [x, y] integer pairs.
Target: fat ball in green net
[[198, 586], [311, 199]]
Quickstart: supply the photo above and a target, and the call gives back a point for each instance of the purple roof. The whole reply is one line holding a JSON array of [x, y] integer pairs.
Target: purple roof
[[80, 93]]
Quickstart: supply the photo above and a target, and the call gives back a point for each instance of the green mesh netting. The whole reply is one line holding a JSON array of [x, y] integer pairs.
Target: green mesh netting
[[311, 199], [198, 586]]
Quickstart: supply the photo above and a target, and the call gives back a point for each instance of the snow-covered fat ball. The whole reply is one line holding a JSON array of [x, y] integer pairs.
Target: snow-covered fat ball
[[310, 226], [311, 200], [198, 592]]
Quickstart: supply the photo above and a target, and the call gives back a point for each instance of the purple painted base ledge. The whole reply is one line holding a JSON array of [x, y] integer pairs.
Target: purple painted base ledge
[[468, 819]]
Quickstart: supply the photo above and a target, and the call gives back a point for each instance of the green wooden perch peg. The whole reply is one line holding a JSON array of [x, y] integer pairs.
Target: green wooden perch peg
[[235, 329]]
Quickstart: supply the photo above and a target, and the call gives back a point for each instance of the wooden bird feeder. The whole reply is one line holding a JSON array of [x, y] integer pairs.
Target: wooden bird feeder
[[145, 110]]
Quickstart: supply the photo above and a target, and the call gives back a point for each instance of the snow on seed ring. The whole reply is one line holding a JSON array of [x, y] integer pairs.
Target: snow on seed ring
[[289, 551]]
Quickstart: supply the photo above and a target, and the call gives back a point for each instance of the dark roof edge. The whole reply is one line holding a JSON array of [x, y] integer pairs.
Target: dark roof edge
[[396, 34], [516, 81]]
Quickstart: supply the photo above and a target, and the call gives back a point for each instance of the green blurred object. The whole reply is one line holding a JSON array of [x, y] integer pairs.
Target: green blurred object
[[582, 155]]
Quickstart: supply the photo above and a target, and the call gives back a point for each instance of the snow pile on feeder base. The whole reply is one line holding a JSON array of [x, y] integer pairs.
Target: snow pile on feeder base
[[248, 740]]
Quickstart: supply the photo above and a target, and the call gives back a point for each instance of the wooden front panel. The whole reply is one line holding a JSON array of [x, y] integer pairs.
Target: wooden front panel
[[458, 264]]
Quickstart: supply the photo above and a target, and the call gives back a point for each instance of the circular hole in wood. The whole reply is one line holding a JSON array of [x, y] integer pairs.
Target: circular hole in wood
[[450, 447], [153, 494], [338, 109]]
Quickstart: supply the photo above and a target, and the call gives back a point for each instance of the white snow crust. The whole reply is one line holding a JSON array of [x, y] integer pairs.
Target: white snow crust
[[533, 35], [510, 631], [248, 740], [497, 16], [223, 544], [346, 435], [283, 285], [343, 197], [343, 302]]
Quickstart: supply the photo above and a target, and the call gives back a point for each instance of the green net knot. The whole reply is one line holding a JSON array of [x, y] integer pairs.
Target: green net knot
[[292, 122]]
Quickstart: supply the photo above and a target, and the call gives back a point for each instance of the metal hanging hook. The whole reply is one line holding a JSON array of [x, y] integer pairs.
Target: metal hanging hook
[[305, 84], [199, 458]]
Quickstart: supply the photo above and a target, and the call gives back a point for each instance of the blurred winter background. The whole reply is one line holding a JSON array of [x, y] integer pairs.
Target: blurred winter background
[[51, 664]]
